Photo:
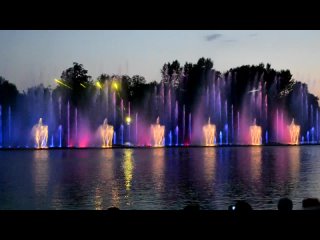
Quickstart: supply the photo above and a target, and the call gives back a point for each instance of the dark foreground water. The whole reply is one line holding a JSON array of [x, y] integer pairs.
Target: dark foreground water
[[160, 178]]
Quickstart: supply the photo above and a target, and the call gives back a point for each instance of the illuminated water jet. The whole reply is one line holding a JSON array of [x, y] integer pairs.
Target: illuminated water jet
[[255, 132], [209, 132], [40, 132], [106, 133], [294, 132], [157, 131]]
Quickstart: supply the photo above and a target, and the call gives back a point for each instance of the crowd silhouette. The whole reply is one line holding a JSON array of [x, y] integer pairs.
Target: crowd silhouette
[[284, 205]]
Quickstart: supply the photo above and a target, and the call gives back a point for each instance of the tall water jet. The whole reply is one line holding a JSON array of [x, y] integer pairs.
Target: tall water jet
[[121, 133], [219, 107], [136, 128], [232, 129], [281, 126], [176, 113], [157, 131], [190, 128], [40, 133], [312, 135], [311, 115], [207, 98], [170, 138], [128, 120], [267, 137], [213, 98], [68, 112], [169, 105], [76, 124], [121, 106], [226, 129], [226, 110], [317, 119], [238, 127], [209, 132], [255, 132], [9, 124], [294, 131], [114, 107], [106, 133], [60, 136], [266, 107], [59, 109], [177, 135], [0, 126], [106, 89], [114, 137], [277, 129], [183, 122], [220, 136]]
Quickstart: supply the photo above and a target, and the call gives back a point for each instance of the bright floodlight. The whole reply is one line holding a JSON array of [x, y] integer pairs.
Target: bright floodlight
[[98, 85], [128, 120], [115, 85]]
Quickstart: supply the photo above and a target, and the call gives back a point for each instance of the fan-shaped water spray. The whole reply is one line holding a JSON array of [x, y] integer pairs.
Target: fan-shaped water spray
[[255, 132], [40, 133], [157, 131], [294, 132], [209, 132], [106, 132]]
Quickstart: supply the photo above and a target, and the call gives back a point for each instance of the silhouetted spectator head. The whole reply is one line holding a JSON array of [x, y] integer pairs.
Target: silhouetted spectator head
[[311, 203], [192, 207], [113, 209], [242, 206], [285, 204]]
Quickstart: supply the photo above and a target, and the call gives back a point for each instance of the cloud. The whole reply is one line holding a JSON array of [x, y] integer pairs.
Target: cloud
[[213, 36]]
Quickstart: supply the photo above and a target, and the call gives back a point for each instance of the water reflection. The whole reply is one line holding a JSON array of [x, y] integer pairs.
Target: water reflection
[[158, 163], [106, 181], [255, 166], [162, 178], [294, 165], [248, 163], [98, 199], [209, 161], [286, 163], [128, 168], [40, 173], [115, 198]]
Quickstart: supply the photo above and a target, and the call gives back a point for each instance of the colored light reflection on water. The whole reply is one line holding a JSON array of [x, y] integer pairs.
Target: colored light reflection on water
[[158, 178]]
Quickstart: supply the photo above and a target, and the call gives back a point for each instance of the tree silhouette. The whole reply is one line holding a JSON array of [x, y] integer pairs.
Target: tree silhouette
[[79, 82], [8, 92]]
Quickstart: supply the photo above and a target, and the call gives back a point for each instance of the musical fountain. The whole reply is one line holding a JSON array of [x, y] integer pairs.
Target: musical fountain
[[217, 101]]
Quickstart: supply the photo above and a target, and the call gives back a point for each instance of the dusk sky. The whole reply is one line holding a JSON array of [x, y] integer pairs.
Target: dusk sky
[[32, 57]]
